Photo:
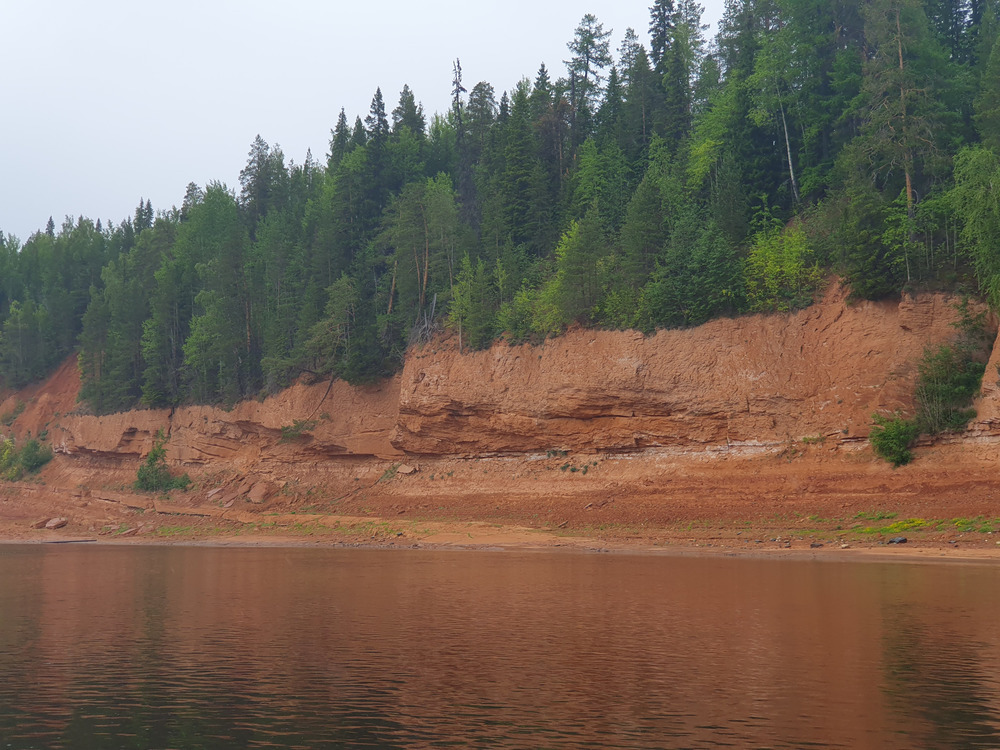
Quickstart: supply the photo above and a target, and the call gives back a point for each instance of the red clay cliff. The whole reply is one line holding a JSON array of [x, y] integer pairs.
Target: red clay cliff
[[756, 424]]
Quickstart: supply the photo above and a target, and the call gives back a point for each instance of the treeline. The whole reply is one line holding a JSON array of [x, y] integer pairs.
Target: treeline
[[655, 185]]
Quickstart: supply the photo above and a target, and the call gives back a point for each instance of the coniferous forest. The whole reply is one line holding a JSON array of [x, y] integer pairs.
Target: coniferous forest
[[657, 185]]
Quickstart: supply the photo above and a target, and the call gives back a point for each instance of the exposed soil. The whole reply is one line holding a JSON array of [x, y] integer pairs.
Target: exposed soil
[[745, 436]]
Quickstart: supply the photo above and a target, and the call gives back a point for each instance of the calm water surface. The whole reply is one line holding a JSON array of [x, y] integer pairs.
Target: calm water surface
[[186, 647]]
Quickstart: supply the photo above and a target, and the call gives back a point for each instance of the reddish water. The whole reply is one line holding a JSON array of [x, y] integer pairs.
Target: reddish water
[[107, 647]]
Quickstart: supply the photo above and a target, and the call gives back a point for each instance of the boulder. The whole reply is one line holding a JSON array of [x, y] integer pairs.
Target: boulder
[[259, 492]]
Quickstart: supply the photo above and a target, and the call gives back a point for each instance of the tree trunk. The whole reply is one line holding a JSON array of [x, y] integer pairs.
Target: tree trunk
[[788, 152], [392, 290]]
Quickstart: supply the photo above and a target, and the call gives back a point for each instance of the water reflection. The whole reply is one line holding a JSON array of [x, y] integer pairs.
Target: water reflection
[[940, 667], [225, 648]]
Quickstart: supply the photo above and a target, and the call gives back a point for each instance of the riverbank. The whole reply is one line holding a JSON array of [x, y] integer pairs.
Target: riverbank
[[803, 500], [745, 435]]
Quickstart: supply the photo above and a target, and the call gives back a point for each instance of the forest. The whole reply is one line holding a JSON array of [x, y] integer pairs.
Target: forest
[[658, 185]]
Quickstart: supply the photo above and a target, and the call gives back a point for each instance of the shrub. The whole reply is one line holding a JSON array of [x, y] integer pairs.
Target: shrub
[[14, 462], [34, 455], [9, 417], [515, 317], [950, 375], [948, 380], [781, 271], [9, 467], [296, 430], [154, 474], [892, 437]]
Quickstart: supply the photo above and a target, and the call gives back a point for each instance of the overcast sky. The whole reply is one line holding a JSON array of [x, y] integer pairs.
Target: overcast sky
[[106, 102]]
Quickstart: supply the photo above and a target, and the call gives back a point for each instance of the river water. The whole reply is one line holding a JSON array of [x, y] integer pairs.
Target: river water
[[194, 647]]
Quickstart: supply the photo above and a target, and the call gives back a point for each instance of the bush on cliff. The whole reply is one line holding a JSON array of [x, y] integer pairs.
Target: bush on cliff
[[15, 462], [154, 474], [949, 376], [892, 438], [948, 379]]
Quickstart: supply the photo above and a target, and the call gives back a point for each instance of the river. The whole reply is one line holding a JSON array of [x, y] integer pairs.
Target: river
[[202, 647]]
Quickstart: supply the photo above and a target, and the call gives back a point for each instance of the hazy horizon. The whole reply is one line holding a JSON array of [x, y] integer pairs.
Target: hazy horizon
[[110, 102]]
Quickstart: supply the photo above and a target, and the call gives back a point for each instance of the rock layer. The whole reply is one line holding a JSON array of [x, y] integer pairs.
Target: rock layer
[[757, 380], [747, 382]]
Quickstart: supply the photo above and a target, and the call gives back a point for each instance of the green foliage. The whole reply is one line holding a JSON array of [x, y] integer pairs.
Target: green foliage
[[949, 376], [892, 438], [34, 455], [616, 195], [976, 200], [987, 104], [516, 318], [473, 308], [29, 458], [154, 474], [698, 275], [7, 418], [297, 429], [948, 379], [330, 336], [781, 273], [947, 383], [573, 293]]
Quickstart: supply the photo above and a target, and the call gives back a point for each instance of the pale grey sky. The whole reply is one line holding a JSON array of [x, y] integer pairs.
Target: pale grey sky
[[106, 102]]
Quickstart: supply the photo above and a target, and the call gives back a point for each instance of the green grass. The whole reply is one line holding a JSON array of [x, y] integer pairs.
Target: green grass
[[7, 418], [296, 430], [979, 524], [874, 515], [907, 524]]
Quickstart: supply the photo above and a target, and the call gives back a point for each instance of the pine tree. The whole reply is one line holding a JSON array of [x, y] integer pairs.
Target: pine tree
[[661, 28], [987, 104], [408, 114], [340, 143], [590, 56]]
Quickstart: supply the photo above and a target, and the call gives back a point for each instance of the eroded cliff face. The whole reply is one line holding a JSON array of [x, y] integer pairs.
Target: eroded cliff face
[[752, 381], [339, 421], [755, 380]]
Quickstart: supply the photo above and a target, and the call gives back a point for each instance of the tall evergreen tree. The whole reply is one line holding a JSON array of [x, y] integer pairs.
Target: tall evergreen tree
[[409, 114], [340, 142], [590, 56], [661, 32]]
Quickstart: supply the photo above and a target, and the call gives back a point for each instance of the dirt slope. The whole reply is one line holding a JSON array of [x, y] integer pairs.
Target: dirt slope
[[737, 432]]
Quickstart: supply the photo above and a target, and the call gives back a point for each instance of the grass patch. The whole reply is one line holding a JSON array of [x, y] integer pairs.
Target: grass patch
[[979, 524], [7, 418], [573, 468], [874, 515], [897, 527], [298, 429], [169, 531]]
